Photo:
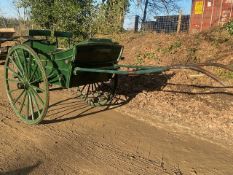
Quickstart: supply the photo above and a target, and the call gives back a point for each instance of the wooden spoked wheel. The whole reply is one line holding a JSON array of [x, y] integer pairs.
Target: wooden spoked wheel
[[26, 84], [99, 93]]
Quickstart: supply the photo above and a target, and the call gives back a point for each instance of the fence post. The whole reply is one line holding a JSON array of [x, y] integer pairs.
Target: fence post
[[136, 24], [179, 21]]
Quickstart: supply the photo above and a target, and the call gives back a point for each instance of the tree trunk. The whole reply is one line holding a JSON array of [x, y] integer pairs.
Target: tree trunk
[[145, 11], [49, 25]]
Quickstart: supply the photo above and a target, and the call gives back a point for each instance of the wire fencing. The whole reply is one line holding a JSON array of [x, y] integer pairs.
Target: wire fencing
[[164, 24]]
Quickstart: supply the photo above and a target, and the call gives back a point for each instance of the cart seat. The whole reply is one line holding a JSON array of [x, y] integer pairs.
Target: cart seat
[[38, 40], [67, 35], [97, 52]]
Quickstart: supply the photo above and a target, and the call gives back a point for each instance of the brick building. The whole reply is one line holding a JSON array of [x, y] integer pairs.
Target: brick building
[[208, 13]]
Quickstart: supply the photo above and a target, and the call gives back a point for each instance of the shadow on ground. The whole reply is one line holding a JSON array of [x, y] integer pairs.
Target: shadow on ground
[[128, 88], [23, 171]]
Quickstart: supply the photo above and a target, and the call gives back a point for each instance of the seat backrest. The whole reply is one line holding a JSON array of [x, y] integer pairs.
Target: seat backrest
[[63, 34], [45, 33], [42, 45], [67, 35]]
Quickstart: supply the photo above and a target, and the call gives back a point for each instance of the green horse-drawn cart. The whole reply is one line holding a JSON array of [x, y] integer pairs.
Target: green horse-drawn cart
[[91, 66]]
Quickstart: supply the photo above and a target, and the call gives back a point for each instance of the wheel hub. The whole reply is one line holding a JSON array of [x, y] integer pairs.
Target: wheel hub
[[22, 86]]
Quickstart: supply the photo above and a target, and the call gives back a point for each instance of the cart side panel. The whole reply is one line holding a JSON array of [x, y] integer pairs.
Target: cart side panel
[[57, 63], [41, 46], [61, 67]]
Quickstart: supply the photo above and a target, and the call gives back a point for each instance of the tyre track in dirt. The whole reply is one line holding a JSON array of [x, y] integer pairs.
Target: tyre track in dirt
[[77, 139], [87, 151]]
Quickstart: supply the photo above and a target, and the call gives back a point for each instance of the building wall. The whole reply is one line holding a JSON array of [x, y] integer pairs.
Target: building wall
[[209, 13]]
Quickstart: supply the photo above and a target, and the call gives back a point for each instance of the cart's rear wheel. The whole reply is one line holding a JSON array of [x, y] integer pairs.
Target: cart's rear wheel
[[26, 84], [100, 93]]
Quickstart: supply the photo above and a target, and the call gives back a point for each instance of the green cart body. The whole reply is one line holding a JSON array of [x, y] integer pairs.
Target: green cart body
[[91, 66], [60, 64]]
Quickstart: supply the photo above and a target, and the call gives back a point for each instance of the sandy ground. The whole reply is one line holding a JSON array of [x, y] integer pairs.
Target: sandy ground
[[77, 139]]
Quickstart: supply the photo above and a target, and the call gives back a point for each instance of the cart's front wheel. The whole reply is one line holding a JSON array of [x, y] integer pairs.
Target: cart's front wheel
[[99, 93], [26, 84]]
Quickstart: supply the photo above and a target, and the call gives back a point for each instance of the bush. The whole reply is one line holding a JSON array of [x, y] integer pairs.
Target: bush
[[229, 27]]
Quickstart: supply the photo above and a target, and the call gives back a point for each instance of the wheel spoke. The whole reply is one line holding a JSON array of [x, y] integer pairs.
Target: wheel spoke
[[12, 59], [87, 92], [21, 55], [33, 73], [36, 103], [17, 99], [96, 87], [13, 90], [35, 81], [29, 63], [83, 88], [21, 107], [19, 62], [40, 99], [26, 63], [13, 80], [27, 107], [37, 88], [14, 73], [31, 106], [100, 93]]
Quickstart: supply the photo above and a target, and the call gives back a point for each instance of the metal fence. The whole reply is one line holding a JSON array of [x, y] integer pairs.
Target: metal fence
[[166, 24]]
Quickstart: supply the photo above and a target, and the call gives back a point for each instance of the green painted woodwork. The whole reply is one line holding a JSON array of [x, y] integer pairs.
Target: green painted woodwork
[[97, 53], [40, 33], [63, 34], [57, 63], [114, 70], [42, 46]]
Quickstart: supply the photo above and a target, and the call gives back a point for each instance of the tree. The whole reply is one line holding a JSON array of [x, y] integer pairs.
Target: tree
[[157, 7], [113, 13], [69, 15]]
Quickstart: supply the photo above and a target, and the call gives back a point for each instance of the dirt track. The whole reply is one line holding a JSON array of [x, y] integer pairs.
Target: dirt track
[[76, 139]]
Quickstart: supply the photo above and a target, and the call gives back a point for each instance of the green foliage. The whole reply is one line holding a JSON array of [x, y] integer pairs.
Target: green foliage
[[140, 59], [110, 16], [8, 22], [174, 46], [171, 49], [82, 17], [147, 54], [225, 74], [68, 15], [229, 27], [192, 55], [217, 35]]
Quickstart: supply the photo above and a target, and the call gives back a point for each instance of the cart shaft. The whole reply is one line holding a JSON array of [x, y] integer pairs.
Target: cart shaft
[[116, 69]]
